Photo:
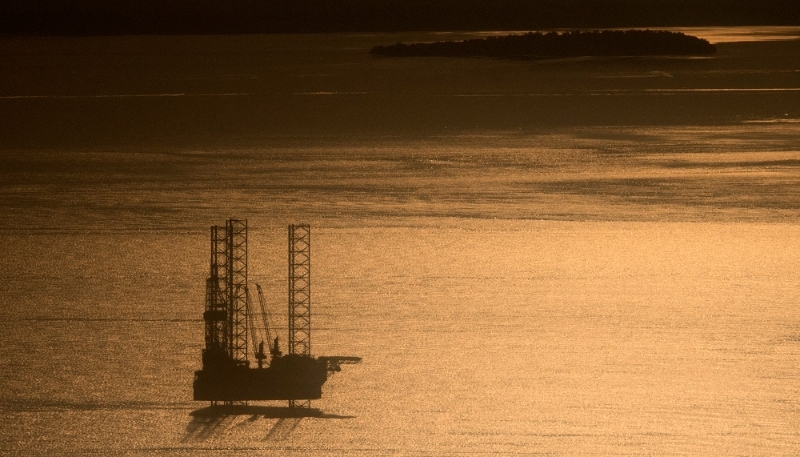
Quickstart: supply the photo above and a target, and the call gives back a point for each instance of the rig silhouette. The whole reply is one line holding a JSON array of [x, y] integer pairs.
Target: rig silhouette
[[227, 378]]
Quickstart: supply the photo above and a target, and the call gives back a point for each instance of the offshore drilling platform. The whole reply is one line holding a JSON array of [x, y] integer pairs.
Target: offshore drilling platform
[[227, 376]]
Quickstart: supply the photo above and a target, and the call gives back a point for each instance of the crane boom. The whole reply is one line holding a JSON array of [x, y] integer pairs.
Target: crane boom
[[264, 313]]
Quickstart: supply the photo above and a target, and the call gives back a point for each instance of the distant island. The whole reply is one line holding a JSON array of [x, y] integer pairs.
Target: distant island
[[537, 45]]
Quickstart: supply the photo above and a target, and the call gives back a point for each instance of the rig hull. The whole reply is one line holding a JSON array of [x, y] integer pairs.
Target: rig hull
[[290, 377]]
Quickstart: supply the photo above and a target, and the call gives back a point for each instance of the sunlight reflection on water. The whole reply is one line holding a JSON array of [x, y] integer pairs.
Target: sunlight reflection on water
[[741, 34], [588, 275]]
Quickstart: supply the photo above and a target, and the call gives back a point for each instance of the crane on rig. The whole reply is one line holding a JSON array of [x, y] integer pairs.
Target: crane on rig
[[258, 348], [226, 376]]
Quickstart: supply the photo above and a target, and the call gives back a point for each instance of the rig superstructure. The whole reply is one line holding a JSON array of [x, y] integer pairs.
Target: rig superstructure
[[226, 376]]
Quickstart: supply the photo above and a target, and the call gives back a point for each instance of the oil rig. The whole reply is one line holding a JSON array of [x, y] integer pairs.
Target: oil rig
[[227, 377]]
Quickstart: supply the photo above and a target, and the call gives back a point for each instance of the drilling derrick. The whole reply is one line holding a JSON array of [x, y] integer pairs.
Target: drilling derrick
[[217, 324], [226, 375], [237, 289]]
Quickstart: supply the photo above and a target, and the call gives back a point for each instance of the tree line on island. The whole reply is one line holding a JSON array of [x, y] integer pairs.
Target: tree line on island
[[535, 45]]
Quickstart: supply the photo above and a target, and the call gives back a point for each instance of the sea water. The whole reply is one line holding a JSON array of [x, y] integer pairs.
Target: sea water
[[570, 257]]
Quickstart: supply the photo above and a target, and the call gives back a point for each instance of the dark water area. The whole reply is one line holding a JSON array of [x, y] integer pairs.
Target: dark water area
[[585, 256], [243, 90], [152, 17], [155, 132]]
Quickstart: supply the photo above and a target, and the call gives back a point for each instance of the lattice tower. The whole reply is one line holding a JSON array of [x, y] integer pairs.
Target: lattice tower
[[237, 288], [300, 289], [216, 295]]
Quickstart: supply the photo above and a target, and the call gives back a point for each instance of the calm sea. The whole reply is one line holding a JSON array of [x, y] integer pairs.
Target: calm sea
[[565, 257]]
